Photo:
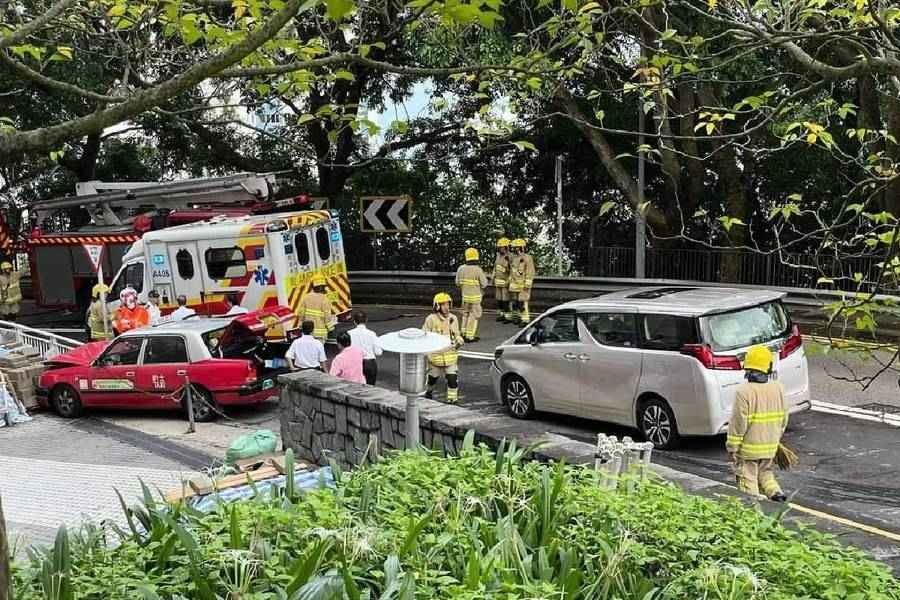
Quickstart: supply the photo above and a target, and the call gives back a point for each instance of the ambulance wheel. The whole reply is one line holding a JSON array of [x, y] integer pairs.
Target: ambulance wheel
[[205, 409], [65, 402]]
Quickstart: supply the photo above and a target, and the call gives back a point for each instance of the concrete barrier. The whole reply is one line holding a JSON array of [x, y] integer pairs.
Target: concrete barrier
[[323, 417]]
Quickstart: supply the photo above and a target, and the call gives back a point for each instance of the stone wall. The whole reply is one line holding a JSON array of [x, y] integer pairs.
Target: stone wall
[[324, 417]]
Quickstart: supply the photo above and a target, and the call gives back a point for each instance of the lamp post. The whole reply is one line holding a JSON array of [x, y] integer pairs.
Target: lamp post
[[413, 345]]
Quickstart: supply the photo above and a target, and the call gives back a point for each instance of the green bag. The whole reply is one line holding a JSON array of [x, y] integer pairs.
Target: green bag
[[251, 444]]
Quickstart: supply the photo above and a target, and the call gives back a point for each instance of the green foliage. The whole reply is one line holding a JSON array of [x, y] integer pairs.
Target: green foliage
[[480, 526]]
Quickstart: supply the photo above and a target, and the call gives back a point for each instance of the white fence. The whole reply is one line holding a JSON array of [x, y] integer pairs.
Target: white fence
[[48, 344]]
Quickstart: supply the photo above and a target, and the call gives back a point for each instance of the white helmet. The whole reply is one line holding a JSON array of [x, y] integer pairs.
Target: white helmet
[[128, 297]]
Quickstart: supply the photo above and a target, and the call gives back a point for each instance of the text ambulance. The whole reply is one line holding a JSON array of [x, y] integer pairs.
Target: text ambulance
[[263, 260]]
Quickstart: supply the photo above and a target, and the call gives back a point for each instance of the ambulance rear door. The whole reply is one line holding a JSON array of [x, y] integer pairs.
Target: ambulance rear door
[[328, 247], [293, 262]]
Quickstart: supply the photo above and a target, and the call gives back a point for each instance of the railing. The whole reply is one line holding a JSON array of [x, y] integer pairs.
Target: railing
[[739, 266], [46, 343]]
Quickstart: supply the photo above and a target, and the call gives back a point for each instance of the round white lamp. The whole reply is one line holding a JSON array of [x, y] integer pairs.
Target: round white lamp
[[413, 345]]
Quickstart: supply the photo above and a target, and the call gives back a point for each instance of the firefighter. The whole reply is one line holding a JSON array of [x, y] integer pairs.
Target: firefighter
[[471, 281], [316, 307], [96, 314], [442, 321], [130, 315], [758, 420], [10, 292], [521, 278], [501, 279]]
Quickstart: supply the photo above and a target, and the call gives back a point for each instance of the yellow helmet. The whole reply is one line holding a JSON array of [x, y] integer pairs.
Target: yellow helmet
[[471, 254], [318, 281], [759, 358], [6, 265], [100, 288], [503, 242], [518, 243], [440, 298]]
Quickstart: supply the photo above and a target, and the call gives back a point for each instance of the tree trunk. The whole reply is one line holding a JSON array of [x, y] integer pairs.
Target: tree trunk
[[6, 586]]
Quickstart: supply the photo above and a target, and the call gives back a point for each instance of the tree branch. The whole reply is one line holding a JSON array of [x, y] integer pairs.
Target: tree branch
[[20, 35]]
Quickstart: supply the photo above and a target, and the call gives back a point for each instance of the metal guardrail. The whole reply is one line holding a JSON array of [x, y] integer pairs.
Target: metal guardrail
[[417, 287], [48, 344]]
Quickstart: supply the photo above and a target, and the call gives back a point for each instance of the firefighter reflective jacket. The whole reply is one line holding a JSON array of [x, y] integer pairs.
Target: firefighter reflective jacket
[[758, 419], [471, 281], [449, 326], [127, 319], [521, 275], [10, 291], [316, 307], [501, 270], [95, 322]]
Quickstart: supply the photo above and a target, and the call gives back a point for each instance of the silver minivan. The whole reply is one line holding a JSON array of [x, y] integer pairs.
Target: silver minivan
[[664, 360]]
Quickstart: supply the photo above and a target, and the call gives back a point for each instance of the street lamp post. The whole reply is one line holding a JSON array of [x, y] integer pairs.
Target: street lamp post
[[413, 345]]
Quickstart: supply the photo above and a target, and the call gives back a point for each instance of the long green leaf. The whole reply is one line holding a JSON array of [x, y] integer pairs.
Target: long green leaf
[[129, 518], [237, 541], [416, 527], [304, 568]]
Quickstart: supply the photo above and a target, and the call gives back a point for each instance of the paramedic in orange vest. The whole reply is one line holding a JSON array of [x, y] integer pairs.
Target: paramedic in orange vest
[[130, 315], [316, 307], [442, 321]]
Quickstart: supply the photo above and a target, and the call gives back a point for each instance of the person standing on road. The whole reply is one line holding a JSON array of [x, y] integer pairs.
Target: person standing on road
[[232, 306], [444, 363], [364, 338], [501, 279], [521, 278], [95, 315], [348, 364], [316, 307], [130, 315], [471, 281], [758, 420], [182, 312], [10, 292], [306, 352], [153, 308]]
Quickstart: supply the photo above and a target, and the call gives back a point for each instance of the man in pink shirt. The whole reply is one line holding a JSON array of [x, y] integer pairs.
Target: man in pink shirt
[[348, 364]]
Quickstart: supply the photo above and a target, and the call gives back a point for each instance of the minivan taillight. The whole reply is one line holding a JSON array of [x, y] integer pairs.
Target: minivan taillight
[[794, 341], [710, 360]]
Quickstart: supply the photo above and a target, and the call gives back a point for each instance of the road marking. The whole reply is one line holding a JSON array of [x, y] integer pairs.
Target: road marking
[[857, 413], [476, 355], [848, 522]]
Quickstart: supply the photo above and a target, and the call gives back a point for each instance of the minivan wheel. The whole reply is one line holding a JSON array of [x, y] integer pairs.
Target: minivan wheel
[[657, 424], [517, 398], [65, 402]]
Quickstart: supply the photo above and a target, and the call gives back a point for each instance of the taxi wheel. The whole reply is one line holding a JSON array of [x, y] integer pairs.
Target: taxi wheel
[[518, 398], [657, 423], [205, 409], [65, 402]]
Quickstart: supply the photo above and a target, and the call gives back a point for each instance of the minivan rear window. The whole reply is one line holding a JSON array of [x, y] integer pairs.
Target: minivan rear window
[[746, 327]]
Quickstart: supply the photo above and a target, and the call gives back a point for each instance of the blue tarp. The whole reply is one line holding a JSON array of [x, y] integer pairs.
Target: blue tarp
[[303, 480]]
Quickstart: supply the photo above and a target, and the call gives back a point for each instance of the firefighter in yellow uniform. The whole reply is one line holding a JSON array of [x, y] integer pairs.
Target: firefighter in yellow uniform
[[471, 281], [316, 307], [521, 279], [758, 420], [10, 292], [95, 315], [444, 363], [501, 279]]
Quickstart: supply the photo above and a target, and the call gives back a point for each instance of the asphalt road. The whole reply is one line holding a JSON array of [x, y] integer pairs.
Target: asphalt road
[[848, 467]]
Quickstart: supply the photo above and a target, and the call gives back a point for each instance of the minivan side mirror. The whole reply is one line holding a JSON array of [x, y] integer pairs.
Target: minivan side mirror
[[535, 336]]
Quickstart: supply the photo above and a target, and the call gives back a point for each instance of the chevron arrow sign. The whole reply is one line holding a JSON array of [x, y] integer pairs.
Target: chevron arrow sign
[[385, 214]]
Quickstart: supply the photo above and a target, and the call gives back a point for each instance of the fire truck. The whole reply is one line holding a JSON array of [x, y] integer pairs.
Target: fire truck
[[116, 215]]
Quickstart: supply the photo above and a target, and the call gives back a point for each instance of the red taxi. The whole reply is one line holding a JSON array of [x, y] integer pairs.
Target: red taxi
[[228, 361]]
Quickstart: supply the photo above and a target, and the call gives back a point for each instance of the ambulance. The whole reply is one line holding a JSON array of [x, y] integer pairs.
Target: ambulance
[[263, 260]]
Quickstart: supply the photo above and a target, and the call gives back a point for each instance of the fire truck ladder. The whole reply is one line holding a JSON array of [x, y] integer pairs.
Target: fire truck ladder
[[107, 201]]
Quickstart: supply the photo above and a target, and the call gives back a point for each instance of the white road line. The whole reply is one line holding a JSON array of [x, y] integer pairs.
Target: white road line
[[851, 412]]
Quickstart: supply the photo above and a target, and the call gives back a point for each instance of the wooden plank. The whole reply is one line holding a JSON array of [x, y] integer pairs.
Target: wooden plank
[[255, 462], [231, 481]]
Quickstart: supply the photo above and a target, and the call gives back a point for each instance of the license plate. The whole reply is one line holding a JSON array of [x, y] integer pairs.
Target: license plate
[[268, 384]]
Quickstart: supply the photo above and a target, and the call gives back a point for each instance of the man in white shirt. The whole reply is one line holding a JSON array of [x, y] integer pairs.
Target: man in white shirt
[[367, 340], [232, 308], [182, 312], [306, 352], [153, 308]]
